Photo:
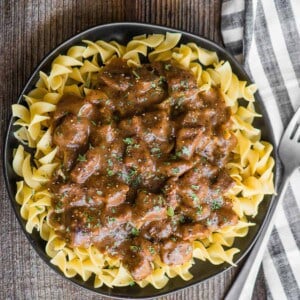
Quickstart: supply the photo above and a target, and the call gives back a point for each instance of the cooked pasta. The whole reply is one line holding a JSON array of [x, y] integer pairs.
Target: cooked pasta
[[74, 73]]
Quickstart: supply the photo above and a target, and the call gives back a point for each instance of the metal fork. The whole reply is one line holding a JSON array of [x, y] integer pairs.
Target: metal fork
[[289, 153]]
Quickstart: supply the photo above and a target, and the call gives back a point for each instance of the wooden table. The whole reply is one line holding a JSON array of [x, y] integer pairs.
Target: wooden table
[[29, 30]]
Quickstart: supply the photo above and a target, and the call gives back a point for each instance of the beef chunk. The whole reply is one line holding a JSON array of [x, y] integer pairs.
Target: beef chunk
[[73, 132], [149, 207], [116, 215], [194, 231], [176, 252]]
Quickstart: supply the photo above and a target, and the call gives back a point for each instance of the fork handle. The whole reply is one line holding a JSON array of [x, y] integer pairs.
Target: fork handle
[[242, 288]]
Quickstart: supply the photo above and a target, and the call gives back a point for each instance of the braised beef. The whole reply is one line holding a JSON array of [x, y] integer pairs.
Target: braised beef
[[144, 165]]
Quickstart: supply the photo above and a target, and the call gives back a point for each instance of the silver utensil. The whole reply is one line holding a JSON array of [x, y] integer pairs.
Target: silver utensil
[[289, 153]]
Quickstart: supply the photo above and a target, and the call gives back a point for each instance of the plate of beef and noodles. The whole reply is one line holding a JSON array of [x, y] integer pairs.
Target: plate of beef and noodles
[[139, 160]]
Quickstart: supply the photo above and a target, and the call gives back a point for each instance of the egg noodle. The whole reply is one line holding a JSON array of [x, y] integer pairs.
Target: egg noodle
[[251, 165]]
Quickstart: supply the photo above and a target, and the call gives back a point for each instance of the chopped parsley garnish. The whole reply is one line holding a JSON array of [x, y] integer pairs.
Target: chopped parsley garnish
[[135, 248], [153, 85], [175, 170], [81, 157], [203, 159], [199, 210], [128, 141], [111, 219], [132, 172], [162, 79], [132, 283], [90, 200], [195, 187], [100, 193], [194, 197], [137, 76], [217, 203], [170, 211], [135, 231], [110, 172], [182, 219], [184, 84], [93, 122], [155, 150], [152, 250], [58, 205], [185, 150], [167, 67], [209, 222], [90, 219], [160, 200], [110, 163], [39, 208]]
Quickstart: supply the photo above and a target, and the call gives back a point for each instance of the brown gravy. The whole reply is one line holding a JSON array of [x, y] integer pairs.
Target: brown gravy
[[143, 161]]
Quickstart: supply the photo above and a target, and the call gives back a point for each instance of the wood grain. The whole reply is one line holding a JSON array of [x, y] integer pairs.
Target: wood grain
[[30, 29]]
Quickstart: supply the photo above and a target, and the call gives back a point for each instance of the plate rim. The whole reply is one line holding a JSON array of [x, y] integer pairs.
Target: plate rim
[[29, 82]]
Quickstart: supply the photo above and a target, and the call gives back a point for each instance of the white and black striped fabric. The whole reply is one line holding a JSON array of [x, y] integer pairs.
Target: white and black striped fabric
[[265, 36]]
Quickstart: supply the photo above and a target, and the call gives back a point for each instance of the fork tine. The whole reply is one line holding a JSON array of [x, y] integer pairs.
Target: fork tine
[[297, 134], [291, 128], [294, 131]]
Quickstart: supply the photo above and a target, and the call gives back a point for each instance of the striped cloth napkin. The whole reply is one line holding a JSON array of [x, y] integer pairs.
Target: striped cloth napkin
[[264, 35]]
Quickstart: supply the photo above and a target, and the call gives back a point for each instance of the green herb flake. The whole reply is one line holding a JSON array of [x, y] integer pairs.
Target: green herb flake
[[58, 205], [162, 79], [135, 248], [155, 150], [81, 157], [217, 203], [136, 75], [153, 85], [110, 163], [182, 219], [167, 67], [199, 210], [151, 250], [170, 211], [184, 84], [135, 231], [39, 208], [195, 187], [110, 172], [185, 150], [132, 283], [209, 222], [203, 159], [93, 122], [111, 219], [175, 170], [90, 219], [128, 141], [100, 193], [194, 197]]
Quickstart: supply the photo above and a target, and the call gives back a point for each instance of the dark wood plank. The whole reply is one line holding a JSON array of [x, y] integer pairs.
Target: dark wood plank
[[30, 29]]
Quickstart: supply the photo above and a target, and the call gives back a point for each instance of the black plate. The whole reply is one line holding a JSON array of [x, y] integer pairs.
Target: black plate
[[123, 32]]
